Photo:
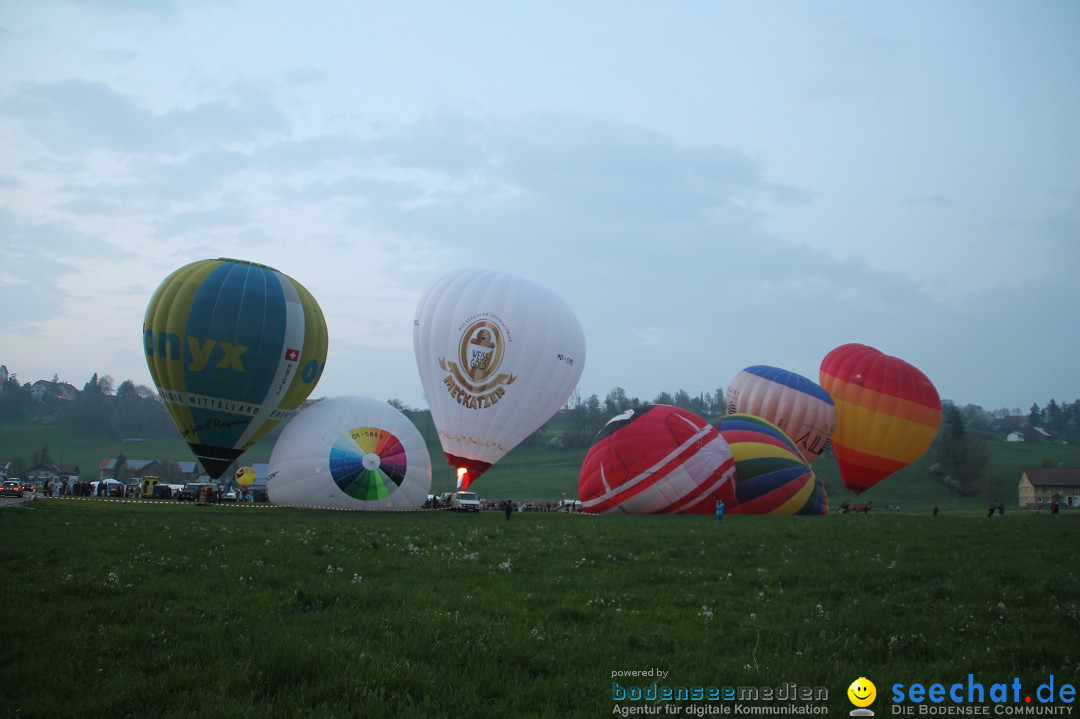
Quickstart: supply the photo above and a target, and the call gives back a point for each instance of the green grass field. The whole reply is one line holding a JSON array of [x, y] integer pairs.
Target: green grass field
[[119, 609]]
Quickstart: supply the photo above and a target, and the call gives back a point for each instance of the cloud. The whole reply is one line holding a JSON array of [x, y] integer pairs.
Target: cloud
[[37, 258], [302, 76], [73, 116], [152, 183], [555, 180], [659, 246], [117, 57], [201, 221], [1060, 229], [931, 201]]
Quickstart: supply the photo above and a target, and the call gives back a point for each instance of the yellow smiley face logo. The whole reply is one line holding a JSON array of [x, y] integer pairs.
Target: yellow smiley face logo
[[862, 692]]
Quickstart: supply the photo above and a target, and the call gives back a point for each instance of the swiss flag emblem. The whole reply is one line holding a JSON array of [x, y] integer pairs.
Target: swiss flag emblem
[[292, 355]]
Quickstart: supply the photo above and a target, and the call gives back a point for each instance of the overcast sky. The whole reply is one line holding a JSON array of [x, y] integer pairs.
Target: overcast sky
[[710, 185]]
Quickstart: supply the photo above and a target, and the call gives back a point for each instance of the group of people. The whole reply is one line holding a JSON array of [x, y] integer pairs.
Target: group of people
[[999, 509], [71, 488], [1054, 507], [500, 505]]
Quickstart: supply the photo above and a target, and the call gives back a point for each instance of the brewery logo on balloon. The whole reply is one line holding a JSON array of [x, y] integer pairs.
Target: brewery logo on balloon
[[473, 380]]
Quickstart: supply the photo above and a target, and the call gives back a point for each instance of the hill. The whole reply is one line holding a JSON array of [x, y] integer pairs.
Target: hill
[[536, 471]]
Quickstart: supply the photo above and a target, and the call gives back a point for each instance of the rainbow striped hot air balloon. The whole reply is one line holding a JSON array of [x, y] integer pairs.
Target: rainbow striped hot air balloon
[[234, 348], [887, 413], [771, 474]]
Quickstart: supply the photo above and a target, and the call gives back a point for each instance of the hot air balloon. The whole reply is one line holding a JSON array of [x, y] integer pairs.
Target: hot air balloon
[[793, 403], [887, 413], [657, 459], [350, 453], [245, 477], [771, 475], [498, 355], [234, 348]]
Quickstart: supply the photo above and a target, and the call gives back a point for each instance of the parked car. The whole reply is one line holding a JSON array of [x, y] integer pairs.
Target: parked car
[[11, 488], [190, 492]]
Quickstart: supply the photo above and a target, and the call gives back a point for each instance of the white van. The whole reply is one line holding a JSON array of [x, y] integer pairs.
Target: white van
[[465, 502]]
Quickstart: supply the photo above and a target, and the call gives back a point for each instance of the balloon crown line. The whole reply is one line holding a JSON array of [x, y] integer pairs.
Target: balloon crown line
[[247, 262]]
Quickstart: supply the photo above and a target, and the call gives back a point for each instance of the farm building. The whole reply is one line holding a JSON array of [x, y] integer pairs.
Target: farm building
[[1043, 485], [1031, 434]]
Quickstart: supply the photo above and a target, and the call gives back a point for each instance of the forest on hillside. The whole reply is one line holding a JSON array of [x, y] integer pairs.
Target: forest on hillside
[[135, 411], [132, 410]]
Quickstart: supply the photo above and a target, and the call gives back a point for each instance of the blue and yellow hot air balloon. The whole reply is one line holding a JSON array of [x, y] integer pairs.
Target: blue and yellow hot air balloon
[[233, 347]]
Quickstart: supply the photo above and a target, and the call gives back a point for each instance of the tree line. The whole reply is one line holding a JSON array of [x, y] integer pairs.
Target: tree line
[[959, 453], [129, 410]]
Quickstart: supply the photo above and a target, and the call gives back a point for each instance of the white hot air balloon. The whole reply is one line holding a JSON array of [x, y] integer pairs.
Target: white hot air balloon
[[498, 355], [795, 404], [350, 453]]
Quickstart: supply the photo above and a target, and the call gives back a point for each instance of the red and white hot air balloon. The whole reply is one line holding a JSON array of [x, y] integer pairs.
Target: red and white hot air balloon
[[657, 459]]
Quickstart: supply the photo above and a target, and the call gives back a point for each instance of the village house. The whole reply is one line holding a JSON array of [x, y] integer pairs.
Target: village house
[[1043, 485], [61, 390], [48, 472]]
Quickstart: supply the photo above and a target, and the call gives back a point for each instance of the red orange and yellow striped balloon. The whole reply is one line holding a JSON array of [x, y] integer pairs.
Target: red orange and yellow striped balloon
[[887, 413]]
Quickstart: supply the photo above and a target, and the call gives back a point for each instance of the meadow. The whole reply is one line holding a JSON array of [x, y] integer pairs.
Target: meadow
[[119, 609]]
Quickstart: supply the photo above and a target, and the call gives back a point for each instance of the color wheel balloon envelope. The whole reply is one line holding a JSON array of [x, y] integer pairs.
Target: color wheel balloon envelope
[[657, 459], [350, 453], [795, 404], [498, 355], [771, 475], [887, 413], [234, 348]]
